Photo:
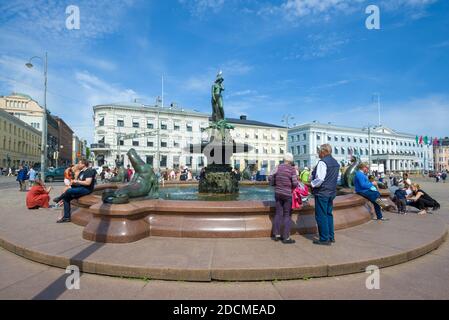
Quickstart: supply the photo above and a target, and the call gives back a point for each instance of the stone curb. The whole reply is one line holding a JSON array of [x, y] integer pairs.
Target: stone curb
[[210, 274]]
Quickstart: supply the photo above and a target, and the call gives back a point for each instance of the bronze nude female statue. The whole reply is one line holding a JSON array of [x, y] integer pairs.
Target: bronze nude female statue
[[217, 98]]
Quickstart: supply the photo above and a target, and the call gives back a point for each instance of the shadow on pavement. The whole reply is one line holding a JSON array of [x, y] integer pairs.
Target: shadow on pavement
[[58, 287]]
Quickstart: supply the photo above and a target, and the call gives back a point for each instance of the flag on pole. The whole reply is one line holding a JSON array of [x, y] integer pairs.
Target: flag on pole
[[426, 140], [417, 140], [420, 140]]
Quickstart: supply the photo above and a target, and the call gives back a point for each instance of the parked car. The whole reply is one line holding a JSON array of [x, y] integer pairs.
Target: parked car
[[54, 174]]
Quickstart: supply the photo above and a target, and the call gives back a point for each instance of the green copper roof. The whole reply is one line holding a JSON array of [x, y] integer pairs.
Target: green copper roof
[[22, 95]]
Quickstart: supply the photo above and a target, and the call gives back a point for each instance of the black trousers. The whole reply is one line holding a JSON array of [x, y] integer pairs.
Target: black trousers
[[422, 204]]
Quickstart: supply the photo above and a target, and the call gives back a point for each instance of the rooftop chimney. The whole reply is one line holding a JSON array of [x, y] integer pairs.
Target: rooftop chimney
[[242, 117]]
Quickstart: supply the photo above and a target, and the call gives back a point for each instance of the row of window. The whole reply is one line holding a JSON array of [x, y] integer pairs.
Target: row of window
[[17, 131], [149, 159], [265, 137], [176, 127], [149, 125], [176, 144], [16, 104], [354, 140], [298, 150], [19, 146]]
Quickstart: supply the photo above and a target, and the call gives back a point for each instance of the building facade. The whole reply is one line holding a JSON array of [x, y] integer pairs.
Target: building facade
[[59, 134], [441, 155], [268, 142], [65, 146], [121, 126], [23, 107], [78, 149], [19, 142], [386, 149]]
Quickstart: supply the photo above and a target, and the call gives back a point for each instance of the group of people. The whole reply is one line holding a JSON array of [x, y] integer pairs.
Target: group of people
[[441, 176], [23, 175], [7, 171], [291, 191], [107, 174], [79, 180], [405, 193], [323, 181]]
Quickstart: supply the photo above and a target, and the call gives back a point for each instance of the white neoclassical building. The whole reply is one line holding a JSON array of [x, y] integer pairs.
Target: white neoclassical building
[[388, 150], [121, 126]]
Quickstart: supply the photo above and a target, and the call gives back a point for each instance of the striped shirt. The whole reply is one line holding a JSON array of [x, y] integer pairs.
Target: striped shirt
[[285, 179]]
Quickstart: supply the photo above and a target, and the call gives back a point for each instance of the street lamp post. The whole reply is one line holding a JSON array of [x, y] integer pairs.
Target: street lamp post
[[285, 119], [44, 116], [158, 153], [369, 146]]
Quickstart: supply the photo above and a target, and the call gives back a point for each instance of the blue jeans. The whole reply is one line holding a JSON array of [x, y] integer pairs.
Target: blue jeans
[[324, 217], [69, 195], [372, 196]]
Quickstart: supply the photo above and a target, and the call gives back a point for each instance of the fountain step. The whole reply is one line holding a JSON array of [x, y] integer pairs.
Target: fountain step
[[36, 236]]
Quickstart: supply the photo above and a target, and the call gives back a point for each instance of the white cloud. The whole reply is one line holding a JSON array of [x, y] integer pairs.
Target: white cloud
[[301, 8], [319, 45], [331, 84], [72, 100], [428, 115], [98, 91], [200, 7], [235, 68], [203, 82], [443, 44], [46, 19], [297, 10]]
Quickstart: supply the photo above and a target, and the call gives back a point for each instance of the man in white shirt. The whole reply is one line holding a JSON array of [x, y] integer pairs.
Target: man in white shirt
[[324, 188]]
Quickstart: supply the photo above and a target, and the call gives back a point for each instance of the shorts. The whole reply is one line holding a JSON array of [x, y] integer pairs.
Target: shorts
[[67, 182]]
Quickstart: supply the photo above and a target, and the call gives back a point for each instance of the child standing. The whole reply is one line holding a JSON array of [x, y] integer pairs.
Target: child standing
[[400, 197]]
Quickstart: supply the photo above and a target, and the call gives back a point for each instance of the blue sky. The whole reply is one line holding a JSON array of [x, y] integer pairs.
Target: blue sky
[[313, 59]]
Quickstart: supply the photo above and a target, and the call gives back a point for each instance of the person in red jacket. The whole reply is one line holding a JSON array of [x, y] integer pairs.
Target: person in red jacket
[[38, 196]]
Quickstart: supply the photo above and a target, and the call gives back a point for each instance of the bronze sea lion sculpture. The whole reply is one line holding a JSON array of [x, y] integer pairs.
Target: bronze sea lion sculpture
[[143, 184], [349, 174]]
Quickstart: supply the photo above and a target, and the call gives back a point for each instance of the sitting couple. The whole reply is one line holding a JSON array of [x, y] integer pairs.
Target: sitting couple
[[368, 190], [79, 187], [421, 200], [412, 195]]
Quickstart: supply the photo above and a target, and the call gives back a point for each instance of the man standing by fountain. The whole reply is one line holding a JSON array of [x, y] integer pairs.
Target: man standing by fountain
[[324, 188]]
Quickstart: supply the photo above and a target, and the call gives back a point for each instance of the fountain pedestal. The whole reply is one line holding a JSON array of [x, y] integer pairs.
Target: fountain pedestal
[[218, 179]]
